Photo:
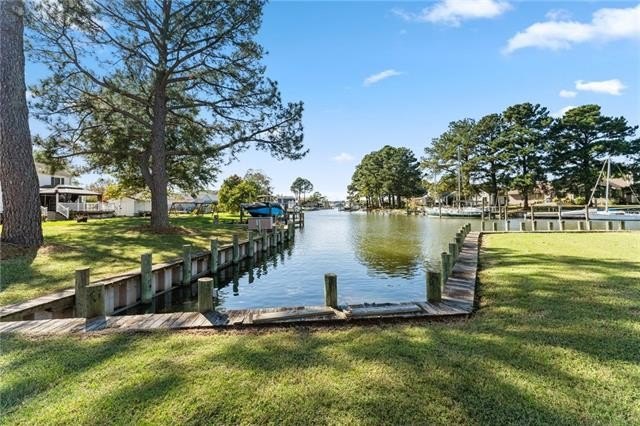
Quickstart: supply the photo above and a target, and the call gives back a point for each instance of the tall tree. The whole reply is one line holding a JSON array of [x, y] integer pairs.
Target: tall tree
[[525, 137], [490, 169], [18, 176], [160, 66], [451, 153], [301, 186], [235, 191], [261, 180], [580, 141]]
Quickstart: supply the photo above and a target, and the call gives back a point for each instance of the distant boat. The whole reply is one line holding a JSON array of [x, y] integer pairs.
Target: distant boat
[[607, 213], [264, 209], [455, 212]]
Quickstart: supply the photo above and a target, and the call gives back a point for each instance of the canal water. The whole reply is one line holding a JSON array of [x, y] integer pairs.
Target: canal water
[[377, 258]]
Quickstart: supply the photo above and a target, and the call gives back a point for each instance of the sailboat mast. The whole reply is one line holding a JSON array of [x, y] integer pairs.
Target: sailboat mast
[[459, 178], [606, 194]]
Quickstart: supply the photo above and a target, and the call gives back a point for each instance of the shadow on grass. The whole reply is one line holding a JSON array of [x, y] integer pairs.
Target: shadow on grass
[[546, 347]]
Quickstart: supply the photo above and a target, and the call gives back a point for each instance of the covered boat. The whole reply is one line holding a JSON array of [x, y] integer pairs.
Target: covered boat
[[264, 209]]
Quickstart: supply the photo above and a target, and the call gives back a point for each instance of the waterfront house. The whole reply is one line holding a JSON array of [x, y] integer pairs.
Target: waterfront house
[[61, 198]]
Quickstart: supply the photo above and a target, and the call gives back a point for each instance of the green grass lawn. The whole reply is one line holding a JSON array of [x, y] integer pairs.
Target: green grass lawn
[[109, 246], [556, 341]]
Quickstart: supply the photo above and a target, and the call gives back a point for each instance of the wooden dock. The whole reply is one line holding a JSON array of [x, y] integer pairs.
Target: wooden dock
[[457, 302]]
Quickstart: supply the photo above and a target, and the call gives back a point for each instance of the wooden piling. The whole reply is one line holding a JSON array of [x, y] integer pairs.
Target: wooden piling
[[205, 294], [550, 226], [482, 226], [453, 250], [494, 226], [213, 260], [589, 225], [146, 290], [236, 248], [534, 225], [445, 266], [250, 245], [609, 225], [331, 290], [265, 241], [186, 264], [94, 302], [532, 214], [292, 231], [523, 226], [580, 225], [82, 278], [274, 237], [434, 289], [561, 225], [484, 203], [507, 225], [621, 226]]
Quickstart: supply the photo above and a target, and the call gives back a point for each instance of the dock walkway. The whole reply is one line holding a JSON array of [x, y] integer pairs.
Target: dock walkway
[[457, 302]]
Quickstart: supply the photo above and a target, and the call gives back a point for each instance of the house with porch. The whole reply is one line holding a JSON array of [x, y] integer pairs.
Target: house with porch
[[60, 198]]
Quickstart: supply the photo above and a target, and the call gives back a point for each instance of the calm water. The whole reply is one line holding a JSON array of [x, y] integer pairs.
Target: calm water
[[377, 258]]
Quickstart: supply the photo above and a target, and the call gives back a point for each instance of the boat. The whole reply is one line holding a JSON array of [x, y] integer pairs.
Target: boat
[[607, 213], [264, 209]]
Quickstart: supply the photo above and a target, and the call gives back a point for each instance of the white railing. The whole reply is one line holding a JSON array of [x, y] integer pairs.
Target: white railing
[[89, 207], [64, 211]]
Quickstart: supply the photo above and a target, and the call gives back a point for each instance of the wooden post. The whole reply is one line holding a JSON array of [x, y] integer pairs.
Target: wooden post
[[586, 213], [453, 250], [484, 202], [588, 222], [522, 226], [213, 261], [494, 226], [94, 302], [609, 225], [621, 226], [550, 226], [534, 225], [446, 262], [236, 248], [561, 225], [186, 264], [301, 220], [459, 240], [273, 237], [507, 224], [292, 230], [580, 225], [532, 215], [251, 245], [482, 226], [331, 290], [434, 289], [146, 290], [559, 212], [205, 294], [265, 241], [281, 235], [82, 278]]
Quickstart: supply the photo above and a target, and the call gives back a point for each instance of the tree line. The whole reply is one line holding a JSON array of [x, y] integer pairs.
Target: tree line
[[385, 176], [524, 146]]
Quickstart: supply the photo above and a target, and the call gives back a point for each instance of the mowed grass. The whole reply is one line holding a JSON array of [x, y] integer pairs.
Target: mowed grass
[[108, 246], [556, 341]]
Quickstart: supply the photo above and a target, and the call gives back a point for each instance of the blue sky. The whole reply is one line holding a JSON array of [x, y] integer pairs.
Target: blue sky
[[376, 73]]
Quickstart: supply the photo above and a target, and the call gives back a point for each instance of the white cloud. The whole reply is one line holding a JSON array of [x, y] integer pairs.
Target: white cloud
[[567, 93], [343, 157], [610, 87], [375, 78], [606, 25], [453, 12], [560, 113], [558, 15]]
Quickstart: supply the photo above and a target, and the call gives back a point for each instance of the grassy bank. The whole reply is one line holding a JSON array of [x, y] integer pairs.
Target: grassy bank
[[555, 342], [109, 246]]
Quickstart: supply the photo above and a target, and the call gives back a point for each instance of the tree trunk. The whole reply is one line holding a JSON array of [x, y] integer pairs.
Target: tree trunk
[[18, 176], [159, 178]]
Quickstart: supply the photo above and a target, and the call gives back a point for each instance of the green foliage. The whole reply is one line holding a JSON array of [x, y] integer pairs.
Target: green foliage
[[235, 191], [580, 142], [301, 186], [385, 176], [261, 180]]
